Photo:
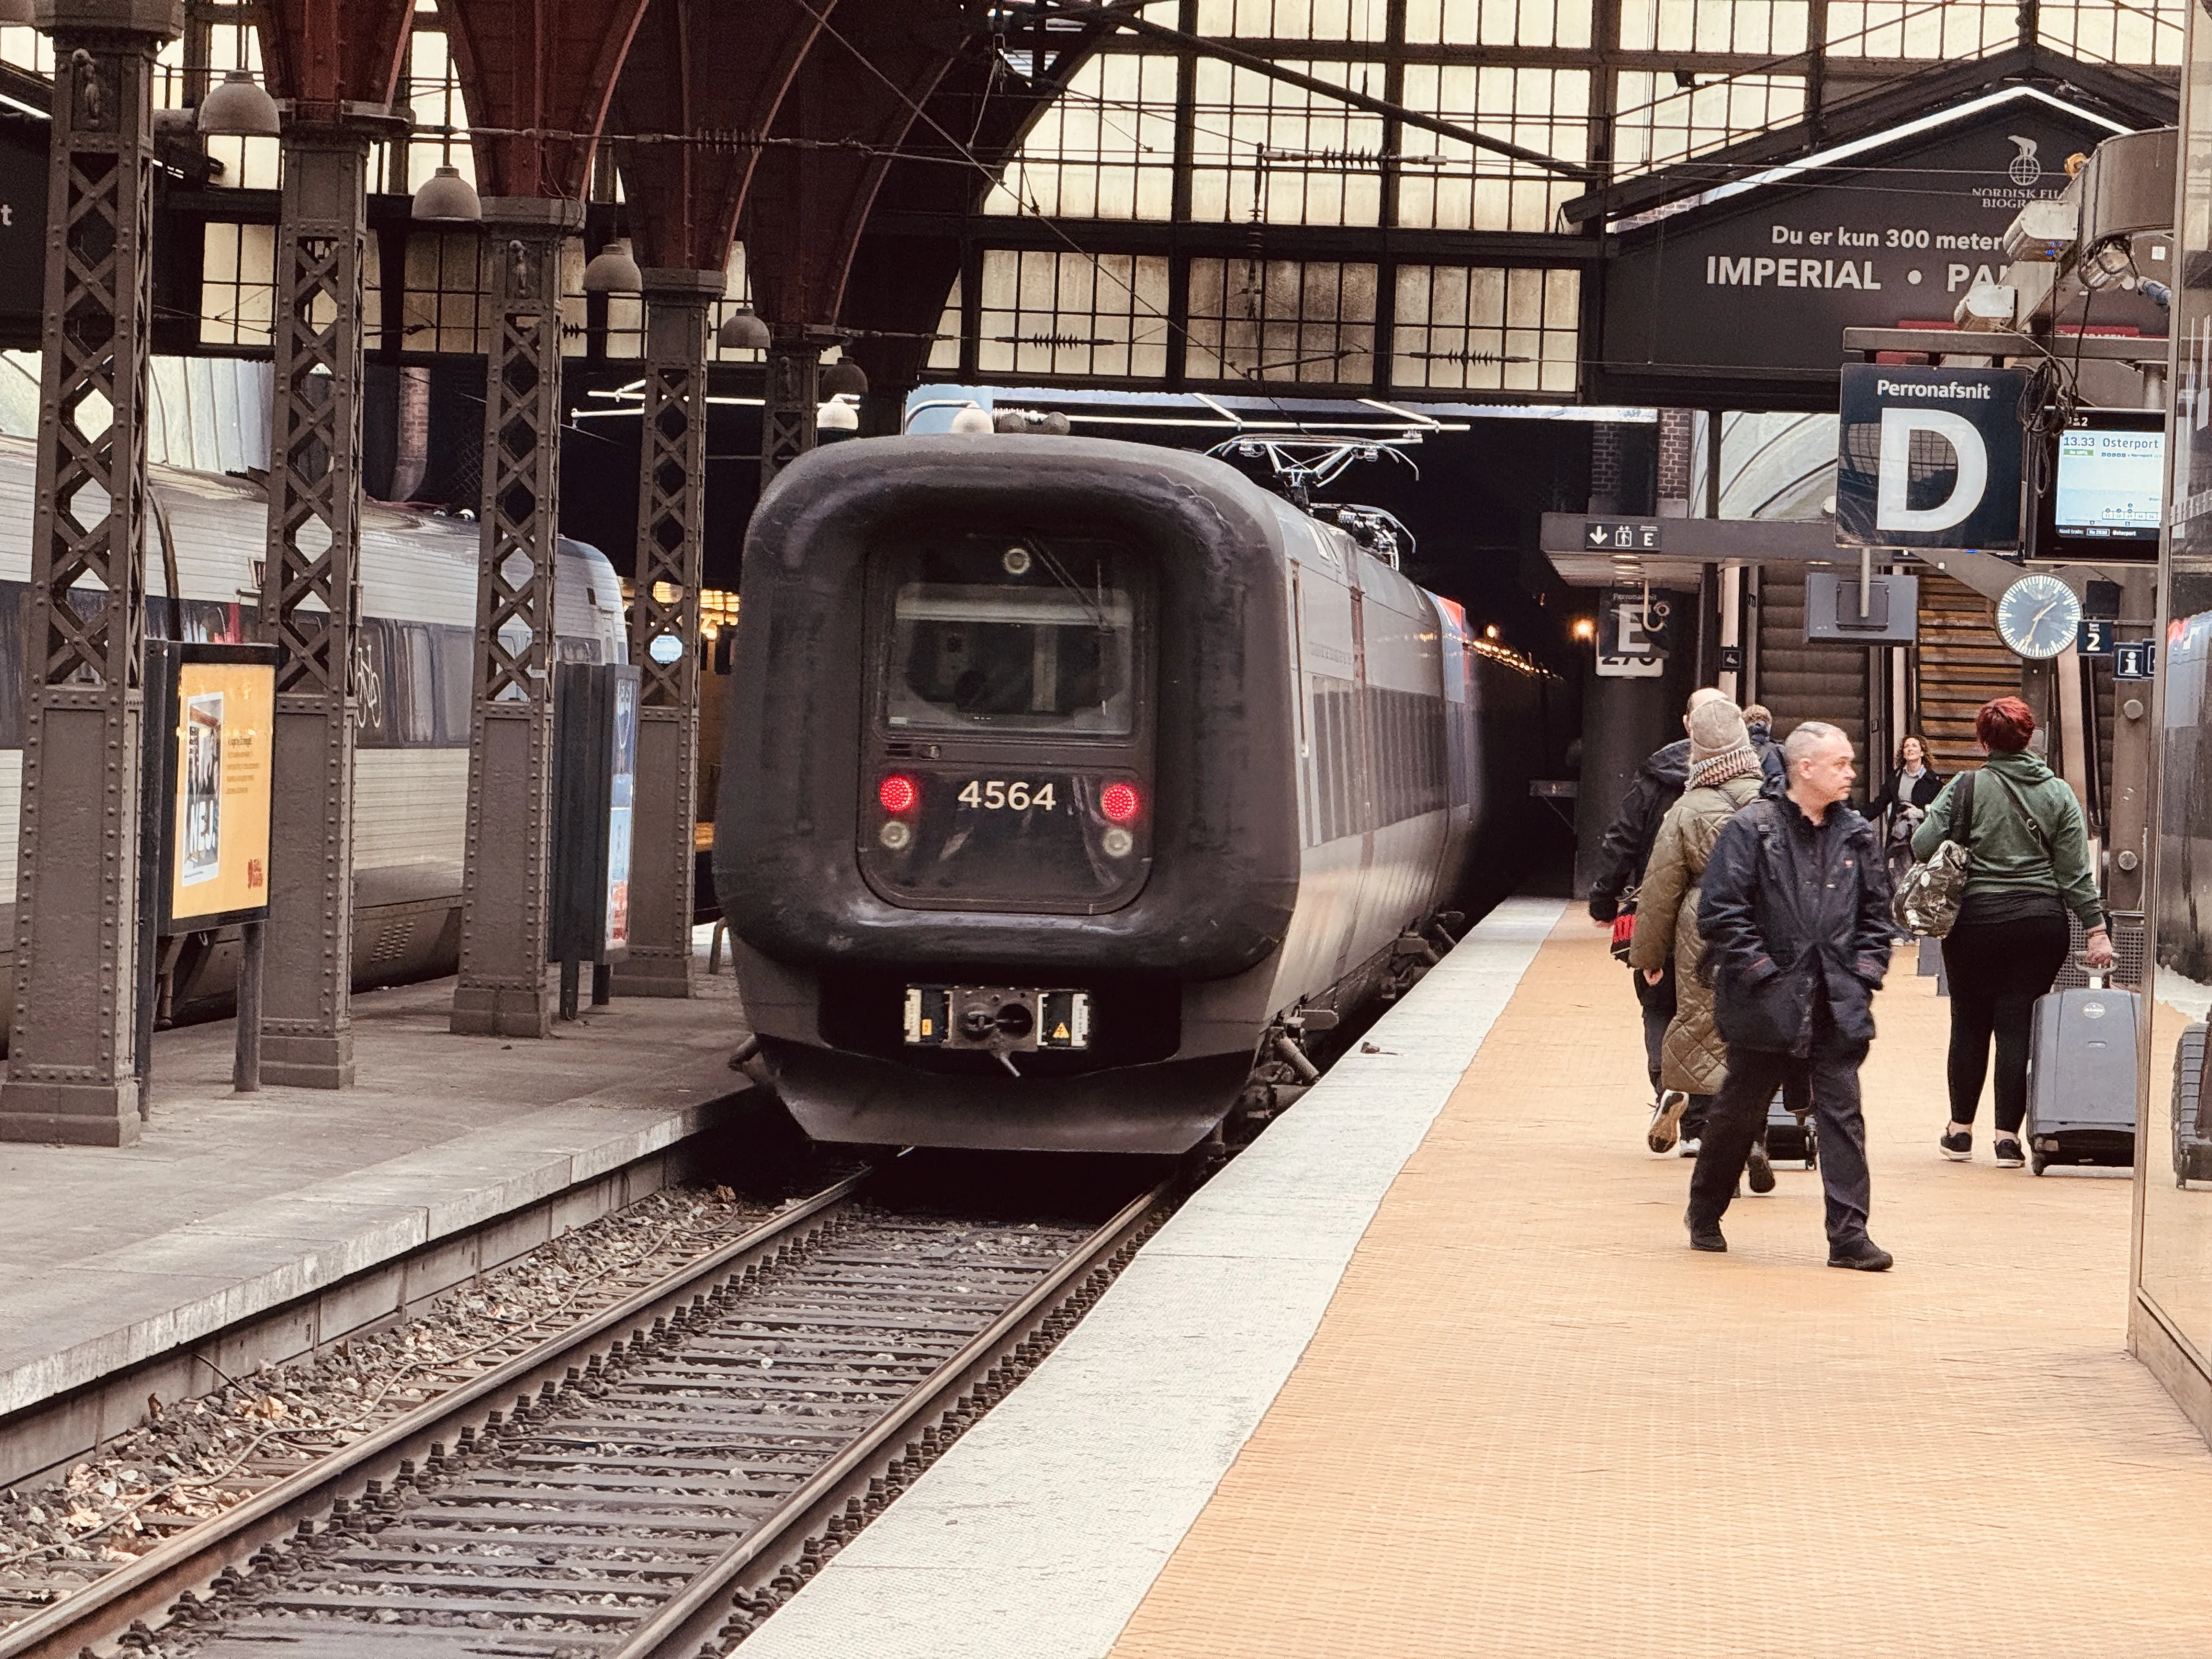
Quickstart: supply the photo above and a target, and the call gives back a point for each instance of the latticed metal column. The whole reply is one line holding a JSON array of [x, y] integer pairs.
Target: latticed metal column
[[503, 891], [663, 630], [70, 1055], [311, 599], [793, 393]]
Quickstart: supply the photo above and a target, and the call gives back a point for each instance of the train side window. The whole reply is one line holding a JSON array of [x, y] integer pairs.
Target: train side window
[[456, 652], [415, 710]]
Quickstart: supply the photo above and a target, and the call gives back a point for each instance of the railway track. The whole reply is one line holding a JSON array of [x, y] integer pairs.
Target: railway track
[[652, 1482]]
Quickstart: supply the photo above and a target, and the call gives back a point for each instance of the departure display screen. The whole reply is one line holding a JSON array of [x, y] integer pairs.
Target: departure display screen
[[2111, 481]]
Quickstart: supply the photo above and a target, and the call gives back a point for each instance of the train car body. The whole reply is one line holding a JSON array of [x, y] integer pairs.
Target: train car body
[[414, 672], [1060, 773]]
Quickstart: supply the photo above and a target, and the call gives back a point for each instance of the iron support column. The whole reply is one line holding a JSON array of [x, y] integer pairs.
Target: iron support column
[[503, 991], [664, 631], [71, 1053], [793, 393], [311, 601]]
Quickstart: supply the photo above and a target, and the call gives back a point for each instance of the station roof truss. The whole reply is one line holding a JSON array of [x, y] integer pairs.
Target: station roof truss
[[1400, 198]]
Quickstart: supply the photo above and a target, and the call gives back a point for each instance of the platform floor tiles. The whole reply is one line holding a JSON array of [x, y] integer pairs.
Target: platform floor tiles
[[1532, 1422]]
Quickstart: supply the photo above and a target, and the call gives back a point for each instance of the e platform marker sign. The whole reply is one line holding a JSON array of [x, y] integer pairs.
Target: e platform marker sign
[[1930, 457]]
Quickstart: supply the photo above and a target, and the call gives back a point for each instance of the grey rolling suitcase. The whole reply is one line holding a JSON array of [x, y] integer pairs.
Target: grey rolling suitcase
[[2192, 1130], [2081, 1079]]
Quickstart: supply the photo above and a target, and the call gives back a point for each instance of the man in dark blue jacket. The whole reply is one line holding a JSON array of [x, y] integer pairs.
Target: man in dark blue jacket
[[1795, 919]]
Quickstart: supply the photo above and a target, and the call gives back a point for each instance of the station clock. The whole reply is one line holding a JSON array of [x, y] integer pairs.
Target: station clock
[[2038, 617]]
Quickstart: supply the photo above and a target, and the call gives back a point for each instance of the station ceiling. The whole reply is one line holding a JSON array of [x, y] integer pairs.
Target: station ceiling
[[1405, 198]]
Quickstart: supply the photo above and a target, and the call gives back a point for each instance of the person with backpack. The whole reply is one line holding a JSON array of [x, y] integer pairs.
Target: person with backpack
[[2027, 866], [1620, 860], [1725, 776]]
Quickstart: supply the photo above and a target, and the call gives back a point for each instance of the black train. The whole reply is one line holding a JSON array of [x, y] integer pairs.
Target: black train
[[1061, 772]]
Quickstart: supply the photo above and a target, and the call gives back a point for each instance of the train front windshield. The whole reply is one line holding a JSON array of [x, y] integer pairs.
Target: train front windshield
[[1011, 637]]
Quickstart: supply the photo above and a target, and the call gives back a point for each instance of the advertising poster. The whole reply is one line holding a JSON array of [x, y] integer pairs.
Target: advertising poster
[[620, 811], [200, 846], [225, 712], [1753, 284]]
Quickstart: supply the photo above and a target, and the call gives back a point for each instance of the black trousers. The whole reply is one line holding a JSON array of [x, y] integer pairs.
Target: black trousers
[[1739, 1116], [1658, 1003], [1997, 970]]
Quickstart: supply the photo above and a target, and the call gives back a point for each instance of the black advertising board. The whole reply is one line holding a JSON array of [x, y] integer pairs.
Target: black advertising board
[[1745, 296], [23, 228], [594, 802], [1930, 457]]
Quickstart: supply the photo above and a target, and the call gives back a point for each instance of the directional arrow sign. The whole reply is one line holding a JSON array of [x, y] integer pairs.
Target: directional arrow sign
[[1622, 535]]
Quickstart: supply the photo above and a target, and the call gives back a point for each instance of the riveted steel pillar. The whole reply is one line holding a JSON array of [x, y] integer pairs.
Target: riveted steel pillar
[[793, 393], [664, 631], [71, 1049], [503, 989], [311, 601]]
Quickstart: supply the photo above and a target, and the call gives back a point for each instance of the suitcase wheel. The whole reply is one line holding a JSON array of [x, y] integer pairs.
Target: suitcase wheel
[[2037, 1163]]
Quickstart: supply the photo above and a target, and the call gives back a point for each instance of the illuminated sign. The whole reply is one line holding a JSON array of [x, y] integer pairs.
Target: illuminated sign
[[221, 711]]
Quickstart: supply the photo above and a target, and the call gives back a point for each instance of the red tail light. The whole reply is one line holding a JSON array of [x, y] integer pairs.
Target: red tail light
[[1119, 801], [898, 793]]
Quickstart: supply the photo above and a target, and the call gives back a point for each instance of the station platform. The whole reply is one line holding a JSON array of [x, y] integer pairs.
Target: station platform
[[245, 1227], [1430, 1370]]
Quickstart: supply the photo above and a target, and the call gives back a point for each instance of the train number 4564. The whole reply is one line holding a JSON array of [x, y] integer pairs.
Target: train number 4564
[[1019, 797]]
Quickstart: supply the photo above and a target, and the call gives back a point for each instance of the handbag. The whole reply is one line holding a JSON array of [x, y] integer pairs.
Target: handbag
[[1927, 899], [1624, 925]]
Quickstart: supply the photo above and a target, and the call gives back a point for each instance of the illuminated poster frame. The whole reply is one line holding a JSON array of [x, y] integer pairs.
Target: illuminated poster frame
[[211, 712]]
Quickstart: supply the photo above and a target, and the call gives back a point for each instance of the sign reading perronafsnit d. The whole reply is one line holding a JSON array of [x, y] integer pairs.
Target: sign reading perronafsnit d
[[1930, 457]]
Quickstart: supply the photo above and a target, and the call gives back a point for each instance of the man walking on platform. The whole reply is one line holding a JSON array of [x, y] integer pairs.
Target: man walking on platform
[[1796, 917]]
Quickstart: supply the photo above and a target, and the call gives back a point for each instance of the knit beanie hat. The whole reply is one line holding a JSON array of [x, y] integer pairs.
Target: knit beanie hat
[[1720, 745]]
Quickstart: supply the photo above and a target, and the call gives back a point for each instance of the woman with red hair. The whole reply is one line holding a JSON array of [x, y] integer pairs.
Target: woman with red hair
[[2028, 866]]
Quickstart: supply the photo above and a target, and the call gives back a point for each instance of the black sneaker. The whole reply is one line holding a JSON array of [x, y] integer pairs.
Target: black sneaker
[[2008, 1153], [1959, 1148], [1863, 1254], [1704, 1234], [1760, 1169]]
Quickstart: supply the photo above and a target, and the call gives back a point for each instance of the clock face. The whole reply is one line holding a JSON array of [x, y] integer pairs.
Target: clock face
[[2038, 617]]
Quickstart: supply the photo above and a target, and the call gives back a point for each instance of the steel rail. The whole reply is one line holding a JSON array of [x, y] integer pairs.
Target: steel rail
[[695, 1617], [146, 1588]]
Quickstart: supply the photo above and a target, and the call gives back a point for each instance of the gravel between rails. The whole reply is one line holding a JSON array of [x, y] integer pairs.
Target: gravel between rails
[[191, 1458], [659, 1476], [563, 1530]]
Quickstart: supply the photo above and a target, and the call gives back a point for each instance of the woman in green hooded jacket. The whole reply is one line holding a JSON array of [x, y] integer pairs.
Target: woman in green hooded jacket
[[2028, 866]]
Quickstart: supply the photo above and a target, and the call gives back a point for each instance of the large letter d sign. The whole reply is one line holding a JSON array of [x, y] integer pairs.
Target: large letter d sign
[[1897, 427]]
